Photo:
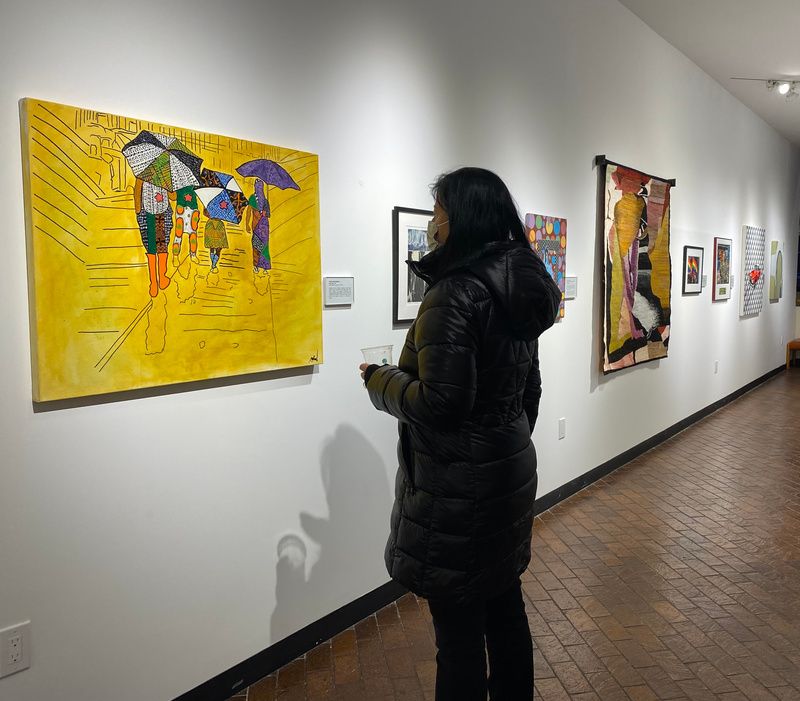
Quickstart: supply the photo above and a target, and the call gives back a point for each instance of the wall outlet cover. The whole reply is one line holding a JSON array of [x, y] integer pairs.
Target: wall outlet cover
[[15, 648]]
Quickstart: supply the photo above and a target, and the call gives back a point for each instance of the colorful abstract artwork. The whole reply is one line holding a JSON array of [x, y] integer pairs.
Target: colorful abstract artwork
[[753, 253], [160, 255], [723, 250], [692, 270], [775, 270], [638, 273], [548, 237]]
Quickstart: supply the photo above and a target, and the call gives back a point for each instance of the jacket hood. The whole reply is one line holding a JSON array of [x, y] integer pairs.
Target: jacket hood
[[516, 278]]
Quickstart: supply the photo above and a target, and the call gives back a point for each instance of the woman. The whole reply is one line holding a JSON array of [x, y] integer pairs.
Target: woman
[[187, 219], [154, 217], [466, 394], [257, 224], [215, 238]]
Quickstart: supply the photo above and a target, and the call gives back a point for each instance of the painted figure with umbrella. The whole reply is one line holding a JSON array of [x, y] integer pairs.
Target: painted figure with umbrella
[[162, 165], [223, 201], [266, 172]]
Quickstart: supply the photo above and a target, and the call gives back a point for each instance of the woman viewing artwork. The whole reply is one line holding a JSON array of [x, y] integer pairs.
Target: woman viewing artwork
[[466, 395]]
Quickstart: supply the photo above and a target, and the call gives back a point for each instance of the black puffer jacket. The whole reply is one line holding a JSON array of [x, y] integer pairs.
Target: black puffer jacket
[[466, 393]]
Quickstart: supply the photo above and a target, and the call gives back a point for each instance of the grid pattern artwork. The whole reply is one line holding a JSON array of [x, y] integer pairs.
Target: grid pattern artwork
[[638, 273], [753, 244], [548, 237]]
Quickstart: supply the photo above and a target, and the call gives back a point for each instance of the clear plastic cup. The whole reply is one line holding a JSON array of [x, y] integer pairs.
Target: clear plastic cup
[[377, 355]]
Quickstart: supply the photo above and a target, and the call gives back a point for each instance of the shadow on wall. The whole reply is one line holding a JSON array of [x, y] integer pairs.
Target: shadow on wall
[[354, 532]]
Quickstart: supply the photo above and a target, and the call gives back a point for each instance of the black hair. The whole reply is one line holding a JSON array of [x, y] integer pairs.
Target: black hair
[[480, 210]]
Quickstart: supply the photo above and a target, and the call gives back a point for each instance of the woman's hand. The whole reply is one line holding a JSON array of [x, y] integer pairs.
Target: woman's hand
[[363, 368]]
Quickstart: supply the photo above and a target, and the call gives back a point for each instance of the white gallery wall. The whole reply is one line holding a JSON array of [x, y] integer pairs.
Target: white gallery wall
[[140, 534]]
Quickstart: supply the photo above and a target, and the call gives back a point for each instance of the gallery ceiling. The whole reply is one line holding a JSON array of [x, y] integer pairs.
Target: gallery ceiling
[[736, 38]]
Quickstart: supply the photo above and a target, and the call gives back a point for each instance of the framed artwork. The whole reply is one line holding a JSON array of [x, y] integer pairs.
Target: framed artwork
[[548, 237], [723, 250], [635, 210], [752, 285], [797, 281], [775, 270], [158, 254], [692, 270], [410, 236]]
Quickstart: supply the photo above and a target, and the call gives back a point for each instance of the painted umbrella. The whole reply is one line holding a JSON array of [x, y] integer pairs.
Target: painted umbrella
[[221, 196], [268, 171], [162, 160]]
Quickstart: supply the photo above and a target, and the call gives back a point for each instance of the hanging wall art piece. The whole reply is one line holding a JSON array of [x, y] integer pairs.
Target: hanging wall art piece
[[692, 270], [775, 270], [723, 250], [410, 244], [159, 255], [635, 219], [548, 237], [753, 244]]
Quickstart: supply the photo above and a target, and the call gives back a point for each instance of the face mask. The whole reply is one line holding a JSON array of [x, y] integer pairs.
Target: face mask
[[433, 228]]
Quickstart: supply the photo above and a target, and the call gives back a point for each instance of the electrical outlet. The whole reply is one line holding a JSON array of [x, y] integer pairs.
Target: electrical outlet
[[716, 366], [562, 428], [15, 648]]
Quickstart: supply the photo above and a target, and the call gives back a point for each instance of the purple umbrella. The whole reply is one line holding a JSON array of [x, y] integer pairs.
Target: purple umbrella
[[268, 171]]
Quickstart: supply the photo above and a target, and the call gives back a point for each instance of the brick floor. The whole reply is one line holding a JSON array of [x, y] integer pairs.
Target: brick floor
[[676, 577]]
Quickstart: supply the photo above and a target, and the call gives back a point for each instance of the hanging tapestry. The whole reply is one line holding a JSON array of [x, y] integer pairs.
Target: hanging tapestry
[[637, 267]]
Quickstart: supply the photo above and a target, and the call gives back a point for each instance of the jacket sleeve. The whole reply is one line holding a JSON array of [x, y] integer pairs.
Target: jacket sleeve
[[443, 395], [533, 389]]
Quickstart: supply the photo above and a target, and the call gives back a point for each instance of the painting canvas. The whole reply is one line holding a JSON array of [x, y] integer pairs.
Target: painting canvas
[[636, 209], [723, 250], [160, 255], [797, 281], [775, 270], [753, 253], [692, 270], [410, 234], [548, 237]]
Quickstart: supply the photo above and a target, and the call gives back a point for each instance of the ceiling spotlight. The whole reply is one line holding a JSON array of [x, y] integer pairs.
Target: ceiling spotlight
[[789, 89]]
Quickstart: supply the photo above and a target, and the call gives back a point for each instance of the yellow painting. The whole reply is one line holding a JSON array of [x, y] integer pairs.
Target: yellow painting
[[159, 255]]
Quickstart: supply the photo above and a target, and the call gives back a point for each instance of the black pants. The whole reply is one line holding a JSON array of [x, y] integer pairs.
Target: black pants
[[464, 635]]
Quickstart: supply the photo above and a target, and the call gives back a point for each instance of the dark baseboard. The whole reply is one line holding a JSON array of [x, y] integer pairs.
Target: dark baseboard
[[567, 490], [224, 685]]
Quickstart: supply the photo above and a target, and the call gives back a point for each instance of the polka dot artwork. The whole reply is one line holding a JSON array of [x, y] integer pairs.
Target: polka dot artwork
[[548, 237]]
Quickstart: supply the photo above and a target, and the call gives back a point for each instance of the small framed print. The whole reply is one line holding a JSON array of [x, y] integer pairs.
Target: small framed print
[[723, 279], [692, 270], [410, 235]]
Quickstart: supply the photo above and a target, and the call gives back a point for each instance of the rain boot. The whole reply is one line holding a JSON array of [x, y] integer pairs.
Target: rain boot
[[151, 267], [163, 280]]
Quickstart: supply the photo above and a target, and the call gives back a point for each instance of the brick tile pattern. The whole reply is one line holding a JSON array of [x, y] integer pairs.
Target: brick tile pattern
[[676, 577]]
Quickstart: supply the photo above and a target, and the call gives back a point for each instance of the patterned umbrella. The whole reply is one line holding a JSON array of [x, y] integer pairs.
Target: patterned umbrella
[[221, 196], [163, 161], [268, 171]]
